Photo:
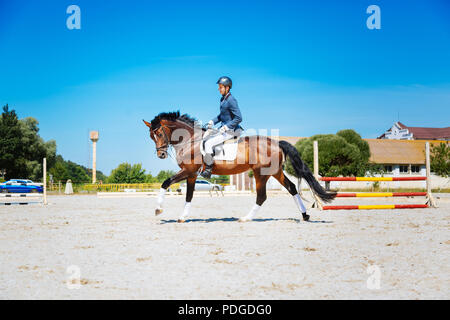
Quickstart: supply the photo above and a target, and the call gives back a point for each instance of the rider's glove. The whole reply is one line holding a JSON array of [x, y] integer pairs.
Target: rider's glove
[[224, 129], [210, 124]]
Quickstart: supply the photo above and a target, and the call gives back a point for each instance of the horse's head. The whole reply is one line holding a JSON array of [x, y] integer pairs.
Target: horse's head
[[170, 128], [161, 135]]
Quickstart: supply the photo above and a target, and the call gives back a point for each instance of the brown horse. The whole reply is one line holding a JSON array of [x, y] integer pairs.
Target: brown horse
[[261, 154]]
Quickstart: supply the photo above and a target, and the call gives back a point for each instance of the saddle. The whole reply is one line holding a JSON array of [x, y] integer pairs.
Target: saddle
[[226, 150]]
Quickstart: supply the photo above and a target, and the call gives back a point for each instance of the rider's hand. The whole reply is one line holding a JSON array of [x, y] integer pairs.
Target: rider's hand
[[224, 129], [210, 124]]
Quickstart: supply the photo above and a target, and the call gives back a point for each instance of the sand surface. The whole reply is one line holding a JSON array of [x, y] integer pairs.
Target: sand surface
[[123, 251]]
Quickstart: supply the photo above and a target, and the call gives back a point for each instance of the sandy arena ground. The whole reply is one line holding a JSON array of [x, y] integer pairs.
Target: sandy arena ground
[[123, 251]]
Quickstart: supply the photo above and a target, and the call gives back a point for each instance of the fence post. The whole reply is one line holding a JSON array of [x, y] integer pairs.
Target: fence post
[[45, 180], [316, 159], [316, 203], [430, 200]]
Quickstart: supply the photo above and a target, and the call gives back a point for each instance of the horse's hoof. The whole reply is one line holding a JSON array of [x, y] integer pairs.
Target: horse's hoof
[[158, 211], [305, 217], [181, 221]]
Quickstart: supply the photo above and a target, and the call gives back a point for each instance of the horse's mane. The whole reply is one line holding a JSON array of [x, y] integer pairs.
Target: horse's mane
[[173, 116]]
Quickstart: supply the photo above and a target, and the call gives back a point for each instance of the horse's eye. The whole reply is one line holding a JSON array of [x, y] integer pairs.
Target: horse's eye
[[160, 135]]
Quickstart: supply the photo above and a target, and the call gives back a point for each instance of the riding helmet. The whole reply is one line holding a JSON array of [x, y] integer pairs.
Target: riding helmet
[[225, 81]]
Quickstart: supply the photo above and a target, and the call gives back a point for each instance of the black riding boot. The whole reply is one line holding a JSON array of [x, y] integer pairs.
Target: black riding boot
[[208, 159]]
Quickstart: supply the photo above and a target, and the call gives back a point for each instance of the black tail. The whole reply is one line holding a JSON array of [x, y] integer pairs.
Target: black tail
[[302, 171]]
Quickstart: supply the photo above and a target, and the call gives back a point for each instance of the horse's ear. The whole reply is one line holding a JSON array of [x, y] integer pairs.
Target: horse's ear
[[147, 124]]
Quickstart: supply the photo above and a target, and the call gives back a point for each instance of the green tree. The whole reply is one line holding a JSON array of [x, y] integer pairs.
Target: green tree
[[59, 172], [150, 179], [164, 175], [64, 170], [343, 154], [77, 173], [21, 147], [352, 137], [11, 148], [127, 173], [100, 176], [221, 179], [440, 159], [36, 148]]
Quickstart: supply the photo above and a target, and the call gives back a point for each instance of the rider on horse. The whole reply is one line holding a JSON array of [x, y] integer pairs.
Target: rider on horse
[[229, 117]]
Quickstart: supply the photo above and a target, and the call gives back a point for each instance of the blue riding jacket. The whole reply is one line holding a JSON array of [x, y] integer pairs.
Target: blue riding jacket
[[230, 115]]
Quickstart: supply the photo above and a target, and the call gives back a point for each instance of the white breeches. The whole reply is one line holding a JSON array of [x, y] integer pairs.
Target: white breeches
[[215, 140]]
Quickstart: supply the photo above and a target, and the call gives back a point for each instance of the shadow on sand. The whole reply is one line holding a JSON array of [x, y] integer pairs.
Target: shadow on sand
[[209, 220]]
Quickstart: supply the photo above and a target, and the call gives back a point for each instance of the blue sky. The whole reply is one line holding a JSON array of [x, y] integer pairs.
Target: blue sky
[[303, 67]]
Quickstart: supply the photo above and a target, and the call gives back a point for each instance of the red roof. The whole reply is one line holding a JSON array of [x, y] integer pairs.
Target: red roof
[[428, 133]]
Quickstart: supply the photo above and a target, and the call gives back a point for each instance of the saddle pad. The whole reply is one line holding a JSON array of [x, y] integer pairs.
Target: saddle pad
[[225, 151]]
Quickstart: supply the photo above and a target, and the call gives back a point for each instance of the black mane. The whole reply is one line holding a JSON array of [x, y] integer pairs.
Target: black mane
[[172, 116]]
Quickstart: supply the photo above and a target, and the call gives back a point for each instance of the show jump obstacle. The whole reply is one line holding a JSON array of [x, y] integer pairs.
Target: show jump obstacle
[[27, 198], [430, 202]]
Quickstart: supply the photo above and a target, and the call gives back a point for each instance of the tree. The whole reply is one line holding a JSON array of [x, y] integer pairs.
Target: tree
[[36, 148], [59, 172], [440, 159], [352, 137], [77, 173], [344, 153], [127, 173], [11, 148], [100, 176], [21, 148], [164, 175], [150, 179], [64, 170], [221, 179]]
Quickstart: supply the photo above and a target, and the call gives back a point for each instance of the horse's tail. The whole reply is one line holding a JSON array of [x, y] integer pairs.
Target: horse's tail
[[302, 171]]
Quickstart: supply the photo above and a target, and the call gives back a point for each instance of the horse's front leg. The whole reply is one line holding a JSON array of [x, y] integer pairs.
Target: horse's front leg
[[189, 195], [181, 175]]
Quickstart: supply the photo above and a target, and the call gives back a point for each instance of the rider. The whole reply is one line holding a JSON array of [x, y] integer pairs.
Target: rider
[[230, 117]]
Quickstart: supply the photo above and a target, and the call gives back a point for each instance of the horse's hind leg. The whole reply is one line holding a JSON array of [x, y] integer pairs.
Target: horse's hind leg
[[293, 191], [261, 196]]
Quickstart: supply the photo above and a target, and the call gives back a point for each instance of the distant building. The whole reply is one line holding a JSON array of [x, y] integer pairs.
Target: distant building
[[401, 132]]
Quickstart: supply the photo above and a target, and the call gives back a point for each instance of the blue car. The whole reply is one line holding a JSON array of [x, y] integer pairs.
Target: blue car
[[21, 186]]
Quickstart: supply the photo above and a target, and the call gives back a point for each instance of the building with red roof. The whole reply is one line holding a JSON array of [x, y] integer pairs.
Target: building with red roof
[[399, 131]]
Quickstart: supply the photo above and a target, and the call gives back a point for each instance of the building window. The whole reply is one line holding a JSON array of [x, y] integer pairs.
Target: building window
[[388, 169], [403, 169], [415, 169]]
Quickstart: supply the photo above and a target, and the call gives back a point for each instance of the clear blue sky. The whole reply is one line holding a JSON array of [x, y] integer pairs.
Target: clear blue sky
[[304, 67]]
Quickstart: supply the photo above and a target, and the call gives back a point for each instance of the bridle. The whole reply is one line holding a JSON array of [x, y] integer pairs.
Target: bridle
[[167, 142]]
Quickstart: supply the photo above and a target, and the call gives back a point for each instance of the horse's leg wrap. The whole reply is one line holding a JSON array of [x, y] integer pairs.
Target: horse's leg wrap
[[299, 203], [186, 211], [160, 201], [301, 206], [251, 214]]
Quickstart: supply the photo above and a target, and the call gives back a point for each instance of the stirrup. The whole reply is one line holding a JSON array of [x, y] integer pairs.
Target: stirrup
[[207, 172]]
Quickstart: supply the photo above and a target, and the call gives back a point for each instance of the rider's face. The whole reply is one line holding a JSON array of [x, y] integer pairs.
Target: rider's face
[[223, 90]]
